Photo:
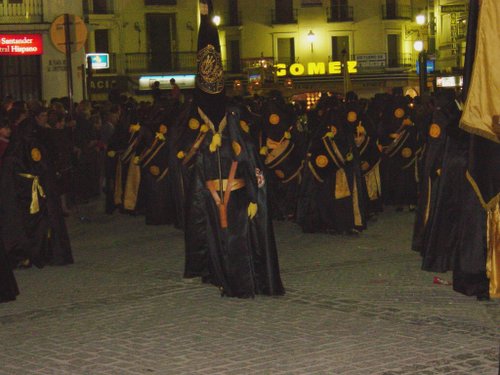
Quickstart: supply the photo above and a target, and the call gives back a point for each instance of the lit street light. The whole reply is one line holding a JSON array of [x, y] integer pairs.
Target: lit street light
[[311, 37]]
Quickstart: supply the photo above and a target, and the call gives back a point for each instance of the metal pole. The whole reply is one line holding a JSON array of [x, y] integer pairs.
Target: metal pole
[[89, 77], [422, 74], [69, 70]]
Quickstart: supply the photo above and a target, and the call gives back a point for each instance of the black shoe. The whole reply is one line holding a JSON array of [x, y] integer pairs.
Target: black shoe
[[483, 296]]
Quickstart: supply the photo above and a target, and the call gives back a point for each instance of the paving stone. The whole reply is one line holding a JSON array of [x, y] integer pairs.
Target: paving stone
[[354, 306]]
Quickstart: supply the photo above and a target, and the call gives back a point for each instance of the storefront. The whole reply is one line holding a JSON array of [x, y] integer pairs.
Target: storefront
[[20, 66]]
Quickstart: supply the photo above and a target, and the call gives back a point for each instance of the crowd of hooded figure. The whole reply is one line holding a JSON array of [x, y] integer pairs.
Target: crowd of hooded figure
[[329, 169]]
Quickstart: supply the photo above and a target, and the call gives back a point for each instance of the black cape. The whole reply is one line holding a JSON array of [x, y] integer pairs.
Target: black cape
[[242, 258]]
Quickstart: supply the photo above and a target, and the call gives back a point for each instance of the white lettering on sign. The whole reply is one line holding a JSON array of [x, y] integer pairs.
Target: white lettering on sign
[[16, 41]]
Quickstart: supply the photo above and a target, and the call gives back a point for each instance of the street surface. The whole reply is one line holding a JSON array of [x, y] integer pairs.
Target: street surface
[[354, 305]]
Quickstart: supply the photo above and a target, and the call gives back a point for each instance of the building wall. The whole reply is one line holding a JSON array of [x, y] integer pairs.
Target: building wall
[[54, 73]]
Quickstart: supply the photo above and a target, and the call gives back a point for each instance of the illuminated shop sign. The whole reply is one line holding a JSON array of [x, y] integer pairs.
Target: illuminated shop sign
[[184, 81], [21, 44], [99, 60], [315, 68], [450, 81], [430, 65]]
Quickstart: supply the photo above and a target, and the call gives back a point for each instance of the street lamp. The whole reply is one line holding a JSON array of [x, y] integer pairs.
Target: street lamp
[[420, 19], [422, 66], [311, 37], [216, 20]]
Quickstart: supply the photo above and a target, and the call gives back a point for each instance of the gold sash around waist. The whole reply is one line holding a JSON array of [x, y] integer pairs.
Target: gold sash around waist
[[36, 189], [236, 184]]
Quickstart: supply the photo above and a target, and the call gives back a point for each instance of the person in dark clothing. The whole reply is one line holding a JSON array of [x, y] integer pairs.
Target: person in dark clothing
[[8, 284], [32, 222], [229, 235]]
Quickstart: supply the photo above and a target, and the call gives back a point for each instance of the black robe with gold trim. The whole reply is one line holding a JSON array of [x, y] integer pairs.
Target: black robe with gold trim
[[32, 222], [331, 194], [154, 163], [283, 150], [231, 250]]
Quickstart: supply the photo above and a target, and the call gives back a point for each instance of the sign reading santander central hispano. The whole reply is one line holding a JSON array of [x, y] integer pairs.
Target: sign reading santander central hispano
[[21, 44]]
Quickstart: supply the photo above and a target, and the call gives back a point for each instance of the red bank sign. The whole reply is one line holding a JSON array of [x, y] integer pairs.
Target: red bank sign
[[20, 44]]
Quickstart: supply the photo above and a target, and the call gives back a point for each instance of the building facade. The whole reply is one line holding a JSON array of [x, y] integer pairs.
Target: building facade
[[298, 44], [31, 65]]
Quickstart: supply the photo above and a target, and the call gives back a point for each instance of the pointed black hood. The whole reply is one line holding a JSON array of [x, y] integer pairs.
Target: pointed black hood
[[209, 91]]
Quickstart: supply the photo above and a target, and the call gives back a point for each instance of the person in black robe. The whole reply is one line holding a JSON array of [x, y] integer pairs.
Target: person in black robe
[[445, 113], [331, 195], [154, 163], [366, 141], [8, 285], [33, 226], [284, 148], [229, 235], [401, 149]]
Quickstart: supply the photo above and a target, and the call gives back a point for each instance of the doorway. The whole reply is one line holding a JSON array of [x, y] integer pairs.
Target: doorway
[[161, 36]]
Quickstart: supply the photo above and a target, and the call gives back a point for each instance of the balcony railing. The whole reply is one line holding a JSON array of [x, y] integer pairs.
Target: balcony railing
[[282, 18], [97, 7], [340, 13], [148, 62], [397, 12], [401, 60], [29, 11]]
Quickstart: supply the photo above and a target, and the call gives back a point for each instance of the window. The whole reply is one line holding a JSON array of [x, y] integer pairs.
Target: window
[[393, 50], [101, 41], [286, 50], [339, 10], [340, 46], [284, 11]]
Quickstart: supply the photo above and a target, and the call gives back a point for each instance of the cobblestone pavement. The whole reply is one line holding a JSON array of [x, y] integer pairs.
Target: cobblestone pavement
[[354, 305]]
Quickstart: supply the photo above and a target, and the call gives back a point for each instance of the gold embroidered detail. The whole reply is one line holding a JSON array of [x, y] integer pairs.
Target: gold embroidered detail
[[210, 78], [216, 142], [352, 116], [163, 129], [406, 152], [134, 128], [154, 170], [321, 161], [341, 185], [193, 123], [36, 155], [435, 131], [399, 113], [263, 150], [160, 136], [287, 135], [349, 156], [274, 119], [360, 130], [279, 173], [111, 154], [181, 155], [244, 126], [407, 122], [236, 148]]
